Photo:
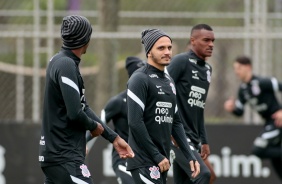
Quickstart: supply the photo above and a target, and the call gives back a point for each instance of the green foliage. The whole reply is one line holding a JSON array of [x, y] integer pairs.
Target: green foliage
[[181, 5]]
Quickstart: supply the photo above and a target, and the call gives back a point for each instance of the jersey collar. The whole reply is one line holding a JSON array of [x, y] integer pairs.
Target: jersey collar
[[155, 70], [200, 61], [70, 54]]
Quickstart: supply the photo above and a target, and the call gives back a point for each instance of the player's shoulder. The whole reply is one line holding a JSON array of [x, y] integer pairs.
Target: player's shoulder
[[140, 73], [208, 66], [181, 57], [138, 77], [120, 95], [260, 79], [116, 101], [178, 62], [63, 61]]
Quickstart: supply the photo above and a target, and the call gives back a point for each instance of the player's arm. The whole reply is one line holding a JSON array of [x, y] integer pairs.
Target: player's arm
[[179, 136], [108, 133], [136, 100], [111, 109], [65, 74], [235, 106], [205, 149], [202, 129], [120, 145], [270, 84], [276, 86], [176, 67]]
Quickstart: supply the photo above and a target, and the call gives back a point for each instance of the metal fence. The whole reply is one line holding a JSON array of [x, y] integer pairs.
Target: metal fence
[[29, 36]]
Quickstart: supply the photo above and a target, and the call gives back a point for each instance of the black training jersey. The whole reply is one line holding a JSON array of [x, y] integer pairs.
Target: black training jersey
[[66, 115], [153, 118], [260, 94], [192, 77], [116, 111]]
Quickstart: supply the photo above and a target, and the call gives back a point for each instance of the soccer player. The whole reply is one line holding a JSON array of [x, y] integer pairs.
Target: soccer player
[[116, 111], [192, 76], [259, 93], [66, 115], [153, 115]]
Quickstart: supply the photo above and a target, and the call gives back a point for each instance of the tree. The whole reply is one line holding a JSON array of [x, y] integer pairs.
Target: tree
[[107, 52]]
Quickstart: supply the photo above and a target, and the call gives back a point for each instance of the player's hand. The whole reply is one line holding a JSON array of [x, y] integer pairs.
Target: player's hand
[[164, 165], [205, 151], [195, 168], [277, 116], [123, 149], [229, 104], [98, 130]]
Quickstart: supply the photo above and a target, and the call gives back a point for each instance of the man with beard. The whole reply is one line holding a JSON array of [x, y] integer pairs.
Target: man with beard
[[153, 114]]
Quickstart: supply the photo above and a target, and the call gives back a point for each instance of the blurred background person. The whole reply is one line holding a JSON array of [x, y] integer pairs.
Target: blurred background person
[[116, 111], [259, 93]]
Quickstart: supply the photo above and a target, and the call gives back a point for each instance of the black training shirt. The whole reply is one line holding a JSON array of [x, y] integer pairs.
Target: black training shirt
[[259, 92], [66, 115], [153, 118], [192, 77]]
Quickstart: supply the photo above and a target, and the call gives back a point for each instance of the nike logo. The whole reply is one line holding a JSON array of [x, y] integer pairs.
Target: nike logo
[[158, 86], [193, 60], [194, 71]]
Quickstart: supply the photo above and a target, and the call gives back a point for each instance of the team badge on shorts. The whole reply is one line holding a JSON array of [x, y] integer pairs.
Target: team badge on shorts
[[84, 171], [155, 173]]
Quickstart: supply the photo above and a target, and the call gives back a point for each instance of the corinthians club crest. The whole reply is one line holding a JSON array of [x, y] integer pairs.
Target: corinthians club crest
[[155, 173]]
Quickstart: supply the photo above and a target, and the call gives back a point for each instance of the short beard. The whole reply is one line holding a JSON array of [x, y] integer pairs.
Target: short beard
[[155, 60]]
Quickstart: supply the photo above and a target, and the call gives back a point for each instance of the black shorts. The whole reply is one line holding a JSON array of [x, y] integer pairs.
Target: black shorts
[[149, 175], [181, 168], [123, 176], [67, 173], [271, 136]]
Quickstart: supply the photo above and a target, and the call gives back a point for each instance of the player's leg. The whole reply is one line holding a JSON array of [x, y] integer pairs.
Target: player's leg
[[67, 173], [268, 144], [56, 174], [176, 158], [213, 176], [123, 176], [202, 178], [48, 180], [208, 164], [148, 175], [179, 175], [277, 165]]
